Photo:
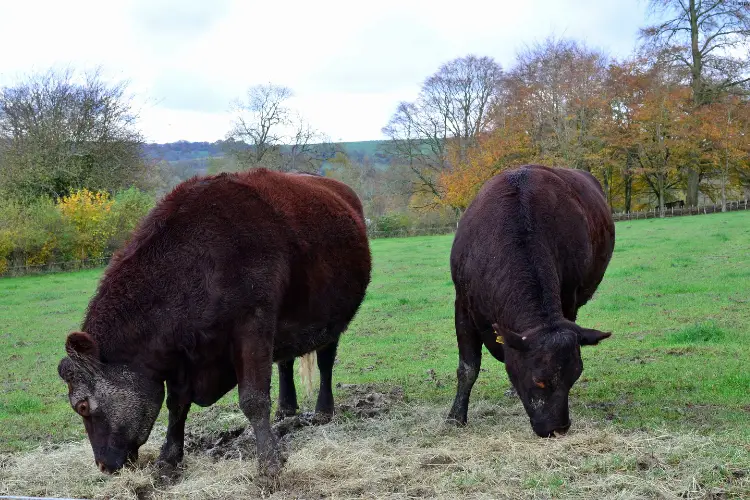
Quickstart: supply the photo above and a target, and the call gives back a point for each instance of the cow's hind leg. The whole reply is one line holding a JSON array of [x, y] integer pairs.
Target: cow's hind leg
[[287, 392], [469, 362], [326, 358], [253, 363], [178, 404]]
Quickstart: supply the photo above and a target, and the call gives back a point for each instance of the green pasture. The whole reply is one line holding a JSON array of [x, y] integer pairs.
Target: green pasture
[[676, 297]]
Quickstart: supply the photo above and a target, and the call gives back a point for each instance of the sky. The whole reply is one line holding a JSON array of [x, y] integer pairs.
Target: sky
[[348, 63]]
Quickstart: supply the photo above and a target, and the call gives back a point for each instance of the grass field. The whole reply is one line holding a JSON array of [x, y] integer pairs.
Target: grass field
[[676, 296]]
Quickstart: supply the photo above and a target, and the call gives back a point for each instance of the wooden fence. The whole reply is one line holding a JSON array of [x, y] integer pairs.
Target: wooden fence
[[731, 206]]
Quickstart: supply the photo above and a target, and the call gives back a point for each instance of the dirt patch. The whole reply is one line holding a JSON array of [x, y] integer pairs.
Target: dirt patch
[[368, 400], [237, 442]]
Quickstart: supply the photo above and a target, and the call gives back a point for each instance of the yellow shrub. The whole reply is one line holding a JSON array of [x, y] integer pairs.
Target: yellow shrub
[[87, 212], [44, 254], [6, 247]]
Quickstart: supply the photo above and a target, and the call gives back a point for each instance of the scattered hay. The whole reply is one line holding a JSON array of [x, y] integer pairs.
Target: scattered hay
[[405, 451]]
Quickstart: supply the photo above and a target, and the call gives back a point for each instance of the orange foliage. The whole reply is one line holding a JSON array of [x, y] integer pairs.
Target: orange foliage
[[491, 153]]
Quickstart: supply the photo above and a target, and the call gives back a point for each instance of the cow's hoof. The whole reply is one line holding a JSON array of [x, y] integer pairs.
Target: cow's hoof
[[269, 471], [166, 473], [283, 413], [170, 455], [320, 418], [456, 421]]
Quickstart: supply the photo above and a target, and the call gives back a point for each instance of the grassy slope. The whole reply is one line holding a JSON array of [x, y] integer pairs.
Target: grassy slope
[[658, 369]]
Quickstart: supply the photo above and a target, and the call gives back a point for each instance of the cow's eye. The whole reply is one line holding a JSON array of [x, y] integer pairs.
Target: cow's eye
[[82, 408]]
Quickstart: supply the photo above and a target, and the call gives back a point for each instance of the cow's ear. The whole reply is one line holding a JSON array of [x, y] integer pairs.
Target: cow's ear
[[511, 339], [589, 336], [81, 345]]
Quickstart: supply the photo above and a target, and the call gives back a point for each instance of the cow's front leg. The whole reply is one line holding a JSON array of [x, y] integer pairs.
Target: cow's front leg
[[178, 404], [469, 362]]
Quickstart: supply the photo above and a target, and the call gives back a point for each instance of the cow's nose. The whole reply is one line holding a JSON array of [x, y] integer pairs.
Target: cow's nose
[[102, 467], [563, 430]]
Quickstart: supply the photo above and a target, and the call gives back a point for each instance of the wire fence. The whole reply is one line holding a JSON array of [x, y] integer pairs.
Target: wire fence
[[77, 265]]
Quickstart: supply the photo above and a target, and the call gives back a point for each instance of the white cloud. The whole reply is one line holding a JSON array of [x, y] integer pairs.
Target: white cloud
[[348, 63]]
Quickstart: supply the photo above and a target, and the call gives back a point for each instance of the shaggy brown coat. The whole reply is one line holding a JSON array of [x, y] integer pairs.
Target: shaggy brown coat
[[226, 275], [530, 250]]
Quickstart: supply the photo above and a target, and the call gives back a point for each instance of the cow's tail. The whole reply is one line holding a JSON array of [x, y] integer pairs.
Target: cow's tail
[[307, 370]]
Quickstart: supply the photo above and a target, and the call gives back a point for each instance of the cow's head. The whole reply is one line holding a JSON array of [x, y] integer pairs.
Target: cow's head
[[543, 364], [118, 406]]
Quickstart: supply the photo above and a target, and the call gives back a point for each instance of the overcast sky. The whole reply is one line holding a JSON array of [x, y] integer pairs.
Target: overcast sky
[[349, 63]]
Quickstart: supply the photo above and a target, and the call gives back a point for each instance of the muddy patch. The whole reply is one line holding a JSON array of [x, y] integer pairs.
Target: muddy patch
[[237, 440], [368, 400]]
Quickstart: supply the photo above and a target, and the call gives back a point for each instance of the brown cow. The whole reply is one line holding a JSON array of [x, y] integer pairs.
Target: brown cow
[[529, 251], [226, 275]]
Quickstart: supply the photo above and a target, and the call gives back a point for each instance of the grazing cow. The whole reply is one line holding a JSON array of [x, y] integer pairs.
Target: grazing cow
[[227, 274], [529, 251]]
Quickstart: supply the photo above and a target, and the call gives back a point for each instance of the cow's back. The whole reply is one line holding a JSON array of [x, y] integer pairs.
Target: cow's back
[[330, 263], [218, 248], [530, 233]]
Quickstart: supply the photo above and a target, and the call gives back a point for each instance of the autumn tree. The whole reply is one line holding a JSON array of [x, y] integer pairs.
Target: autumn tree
[[561, 85], [62, 131], [507, 144], [663, 130], [707, 38], [453, 104], [722, 128], [626, 84]]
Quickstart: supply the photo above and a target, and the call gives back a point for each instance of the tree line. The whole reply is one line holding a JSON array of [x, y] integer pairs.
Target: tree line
[[668, 122]]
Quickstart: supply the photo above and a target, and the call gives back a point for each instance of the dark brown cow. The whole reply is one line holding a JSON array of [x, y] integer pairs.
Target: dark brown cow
[[529, 251], [226, 275]]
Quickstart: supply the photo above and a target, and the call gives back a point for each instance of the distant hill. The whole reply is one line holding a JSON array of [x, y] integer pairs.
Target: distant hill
[[196, 155], [183, 150]]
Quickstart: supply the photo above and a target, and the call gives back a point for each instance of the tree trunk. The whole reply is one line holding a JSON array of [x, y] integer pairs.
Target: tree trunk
[[696, 69], [628, 192], [607, 189], [628, 178], [724, 182], [696, 82], [693, 182], [660, 186]]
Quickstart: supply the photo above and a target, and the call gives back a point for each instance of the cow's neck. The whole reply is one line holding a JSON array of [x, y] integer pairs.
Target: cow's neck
[[119, 323], [530, 305], [522, 317]]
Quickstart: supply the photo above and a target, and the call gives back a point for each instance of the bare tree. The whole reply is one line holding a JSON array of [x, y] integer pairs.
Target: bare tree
[[307, 149], [259, 123], [453, 105], [60, 130], [266, 132], [706, 37]]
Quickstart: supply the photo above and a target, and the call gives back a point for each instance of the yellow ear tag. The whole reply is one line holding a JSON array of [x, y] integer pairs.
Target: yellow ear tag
[[499, 338]]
